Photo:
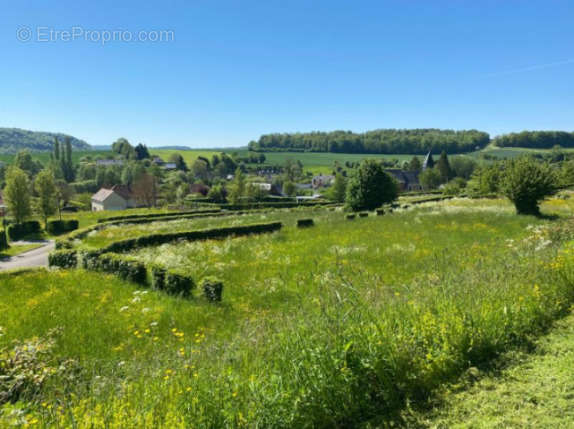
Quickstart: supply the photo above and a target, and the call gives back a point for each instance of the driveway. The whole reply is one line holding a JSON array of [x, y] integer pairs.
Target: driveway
[[33, 258]]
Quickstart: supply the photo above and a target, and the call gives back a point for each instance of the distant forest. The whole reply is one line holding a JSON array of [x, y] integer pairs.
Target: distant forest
[[536, 139], [13, 140], [387, 141]]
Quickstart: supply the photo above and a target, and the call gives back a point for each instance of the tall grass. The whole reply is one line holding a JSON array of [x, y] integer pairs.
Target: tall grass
[[335, 326]]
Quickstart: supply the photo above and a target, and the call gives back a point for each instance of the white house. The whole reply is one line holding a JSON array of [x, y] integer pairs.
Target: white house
[[116, 198]]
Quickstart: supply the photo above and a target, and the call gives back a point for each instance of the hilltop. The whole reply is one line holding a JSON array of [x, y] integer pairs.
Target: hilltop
[[13, 140]]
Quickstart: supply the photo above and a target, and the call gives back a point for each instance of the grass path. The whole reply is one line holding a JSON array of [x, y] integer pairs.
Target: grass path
[[536, 392]]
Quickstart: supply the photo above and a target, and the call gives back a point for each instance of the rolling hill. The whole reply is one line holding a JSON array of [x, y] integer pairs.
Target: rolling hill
[[13, 140]]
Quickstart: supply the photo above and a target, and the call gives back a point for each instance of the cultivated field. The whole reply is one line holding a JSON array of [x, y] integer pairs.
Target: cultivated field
[[337, 325]]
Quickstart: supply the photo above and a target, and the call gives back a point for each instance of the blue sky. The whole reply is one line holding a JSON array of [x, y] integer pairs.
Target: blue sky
[[238, 69]]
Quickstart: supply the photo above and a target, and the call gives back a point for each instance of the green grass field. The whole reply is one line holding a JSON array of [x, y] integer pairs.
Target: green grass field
[[339, 325]]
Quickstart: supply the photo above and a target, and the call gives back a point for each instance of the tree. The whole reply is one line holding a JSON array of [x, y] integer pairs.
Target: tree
[[415, 164], [142, 152], [369, 187], [292, 169], [144, 190], [180, 194], [45, 186], [26, 163], [64, 193], [462, 166], [217, 193], [179, 162], [443, 168], [430, 179], [485, 180], [17, 194], [289, 188], [123, 147], [339, 188], [526, 182], [237, 190], [200, 169]]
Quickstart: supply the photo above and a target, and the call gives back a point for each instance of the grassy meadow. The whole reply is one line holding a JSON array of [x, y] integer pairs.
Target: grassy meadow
[[340, 325]]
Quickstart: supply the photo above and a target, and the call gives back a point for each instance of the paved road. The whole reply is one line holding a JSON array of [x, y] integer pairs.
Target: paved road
[[34, 258]]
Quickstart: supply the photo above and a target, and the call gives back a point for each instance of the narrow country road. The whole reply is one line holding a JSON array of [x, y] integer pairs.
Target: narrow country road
[[34, 258]]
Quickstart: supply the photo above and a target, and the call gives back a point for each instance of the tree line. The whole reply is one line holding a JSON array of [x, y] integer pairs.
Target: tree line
[[384, 141], [536, 139]]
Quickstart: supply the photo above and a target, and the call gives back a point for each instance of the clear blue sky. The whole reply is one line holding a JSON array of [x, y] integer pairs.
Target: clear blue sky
[[239, 69]]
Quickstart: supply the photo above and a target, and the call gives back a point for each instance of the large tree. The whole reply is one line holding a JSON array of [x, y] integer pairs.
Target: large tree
[[339, 188], [370, 187], [238, 187], [45, 186], [526, 182], [430, 179], [443, 167], [17, 194]]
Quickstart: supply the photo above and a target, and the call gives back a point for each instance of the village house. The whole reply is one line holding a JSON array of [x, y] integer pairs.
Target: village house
[[407, 180], [199, 189], [117, 198], [322, 181]]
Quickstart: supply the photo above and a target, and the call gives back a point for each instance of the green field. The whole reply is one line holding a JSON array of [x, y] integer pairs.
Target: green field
[[339, 325]]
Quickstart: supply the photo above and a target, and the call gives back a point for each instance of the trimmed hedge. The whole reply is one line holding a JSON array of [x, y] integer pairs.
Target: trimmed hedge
[[63, 259], [157, 274], [125, 268], [20, 230], [61, 226], [206, 234], [305, 223], [350, 217], [157, 215], [3, 240], [178, 284], [363, 214], [212, 289], [380, 212]]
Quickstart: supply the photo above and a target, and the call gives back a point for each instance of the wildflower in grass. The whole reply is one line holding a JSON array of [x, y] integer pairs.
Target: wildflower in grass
[[124, 308]]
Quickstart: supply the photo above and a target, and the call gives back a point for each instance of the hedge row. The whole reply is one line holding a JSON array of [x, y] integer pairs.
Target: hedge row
[[274, 205], [20, 230], [157, 215], [61, 226], [206, 234], [63, 259], [124, 267], [3, 240]]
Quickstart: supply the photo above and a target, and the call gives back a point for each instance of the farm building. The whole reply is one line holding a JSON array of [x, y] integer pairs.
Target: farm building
[[117, 198]]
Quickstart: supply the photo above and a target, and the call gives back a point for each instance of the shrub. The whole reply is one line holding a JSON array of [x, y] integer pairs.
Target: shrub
[[363, 214], [526, 182], [60, 226], [158, 215], [63, 259], [212, 288], [179, 284], [350, 217], [380, 212], [3, 240], [20, 230], [206, 234], [305, 223]]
